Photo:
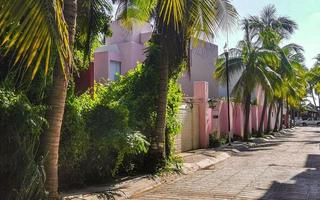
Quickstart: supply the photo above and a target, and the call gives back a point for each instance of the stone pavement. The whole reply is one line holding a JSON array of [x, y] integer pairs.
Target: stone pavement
[[128, 186], [284, 168]]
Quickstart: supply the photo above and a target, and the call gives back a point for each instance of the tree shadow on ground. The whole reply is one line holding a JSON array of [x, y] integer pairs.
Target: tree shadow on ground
[[305, 185]]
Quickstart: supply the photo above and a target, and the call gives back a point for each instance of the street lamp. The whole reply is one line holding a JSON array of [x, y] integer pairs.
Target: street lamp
[[226, 54]]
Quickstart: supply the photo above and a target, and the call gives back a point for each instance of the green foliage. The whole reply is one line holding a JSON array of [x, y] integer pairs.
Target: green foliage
[[137, 90], [21, 123], [108, 134], [74, 141], [215, 141], [95, 139]]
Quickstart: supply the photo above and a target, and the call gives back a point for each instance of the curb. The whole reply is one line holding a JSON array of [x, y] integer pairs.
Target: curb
[[138, 185], [193, 161]]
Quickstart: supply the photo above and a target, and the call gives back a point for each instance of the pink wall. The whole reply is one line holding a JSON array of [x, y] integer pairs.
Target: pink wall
[[254, 118], [203, 56], [101, 64], [201, 93], [128, 47], [238, 119]]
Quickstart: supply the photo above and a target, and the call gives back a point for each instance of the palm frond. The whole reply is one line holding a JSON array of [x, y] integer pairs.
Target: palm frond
[[135, 11], [208, 17], [93, 18], [35, 30]]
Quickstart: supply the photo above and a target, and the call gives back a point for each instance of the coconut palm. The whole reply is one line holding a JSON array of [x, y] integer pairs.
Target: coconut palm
[[279, 28], [291, 61], [317, 58], [42, 34], [250, 60], [313, 78], [176, 23], [268, 19]]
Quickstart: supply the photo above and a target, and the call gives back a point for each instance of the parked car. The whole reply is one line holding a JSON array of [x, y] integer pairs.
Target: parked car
[[308, 122]]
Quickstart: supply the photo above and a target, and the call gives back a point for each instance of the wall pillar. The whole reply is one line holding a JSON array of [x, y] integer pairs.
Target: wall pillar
[[201, 93]]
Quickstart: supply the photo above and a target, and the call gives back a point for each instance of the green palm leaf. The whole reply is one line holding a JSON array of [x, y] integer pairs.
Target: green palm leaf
[[35, 30]]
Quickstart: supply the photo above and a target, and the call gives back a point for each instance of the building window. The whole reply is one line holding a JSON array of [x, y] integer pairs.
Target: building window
[[114, 70]]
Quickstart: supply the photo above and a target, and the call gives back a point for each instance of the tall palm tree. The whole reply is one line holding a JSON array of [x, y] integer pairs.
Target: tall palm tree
[[291, 61], [317, 58], [176, 23], [250, 60], [268, 19], [43, 35], [313, 78], [269, 22]]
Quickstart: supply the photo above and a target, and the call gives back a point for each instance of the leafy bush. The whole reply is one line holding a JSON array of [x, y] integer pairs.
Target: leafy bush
[[109, 134], [74, 143], [95, 139], [215, 141], [21, 123]]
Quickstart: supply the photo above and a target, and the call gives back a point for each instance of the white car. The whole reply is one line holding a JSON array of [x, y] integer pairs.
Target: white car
[[308, 122]]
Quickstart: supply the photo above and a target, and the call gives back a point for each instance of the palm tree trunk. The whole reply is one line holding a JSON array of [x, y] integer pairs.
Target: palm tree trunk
[[275, 129], [319, 105], [281, 115], [157, 149], [264, 109], [313, 97], [287, 114], [269, 119], [56, 103], [247, 116]]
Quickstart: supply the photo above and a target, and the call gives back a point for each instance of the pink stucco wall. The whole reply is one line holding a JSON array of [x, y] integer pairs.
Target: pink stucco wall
[[128, 47], [125, 46], [238, 118], [203, 57], [254, 118], [201, 93]]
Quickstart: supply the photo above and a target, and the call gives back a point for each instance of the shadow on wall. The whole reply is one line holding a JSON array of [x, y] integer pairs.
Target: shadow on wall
[[306, 184]]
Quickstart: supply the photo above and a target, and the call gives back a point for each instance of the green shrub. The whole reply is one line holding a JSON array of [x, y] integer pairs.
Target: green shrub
[[21, 123], [74, 142], [95, 139], [215, 141], [116, 126]]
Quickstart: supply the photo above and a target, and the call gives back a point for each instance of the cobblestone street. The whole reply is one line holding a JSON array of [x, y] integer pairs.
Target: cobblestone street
[[285, 168]]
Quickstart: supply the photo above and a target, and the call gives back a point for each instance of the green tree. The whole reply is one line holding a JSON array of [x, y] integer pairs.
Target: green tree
[[176, 23], [291, 63], [250, 60], [38, 31], [42, 34], [271, 29]]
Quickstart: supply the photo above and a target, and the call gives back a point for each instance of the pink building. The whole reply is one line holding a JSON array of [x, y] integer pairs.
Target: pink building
[[126, 47]]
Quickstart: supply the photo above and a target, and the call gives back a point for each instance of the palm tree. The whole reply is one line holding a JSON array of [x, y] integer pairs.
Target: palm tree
[[317, 58], [176, 23], [282, 28], [291, 59], [39, 30], [43, 35], [313, 78], [250, 60], [268, 19]]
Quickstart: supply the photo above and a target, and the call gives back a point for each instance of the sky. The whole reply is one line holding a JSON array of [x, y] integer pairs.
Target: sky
[[305, 12]]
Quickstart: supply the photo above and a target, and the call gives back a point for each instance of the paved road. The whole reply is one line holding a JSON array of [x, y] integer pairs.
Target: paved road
[[286, 168]]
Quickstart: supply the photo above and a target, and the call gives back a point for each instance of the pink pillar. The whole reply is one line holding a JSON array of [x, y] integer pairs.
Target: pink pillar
[[201, 92]]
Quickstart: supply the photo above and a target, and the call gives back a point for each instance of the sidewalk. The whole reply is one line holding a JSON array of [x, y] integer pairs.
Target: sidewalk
[[127, 187], [192, 161]]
